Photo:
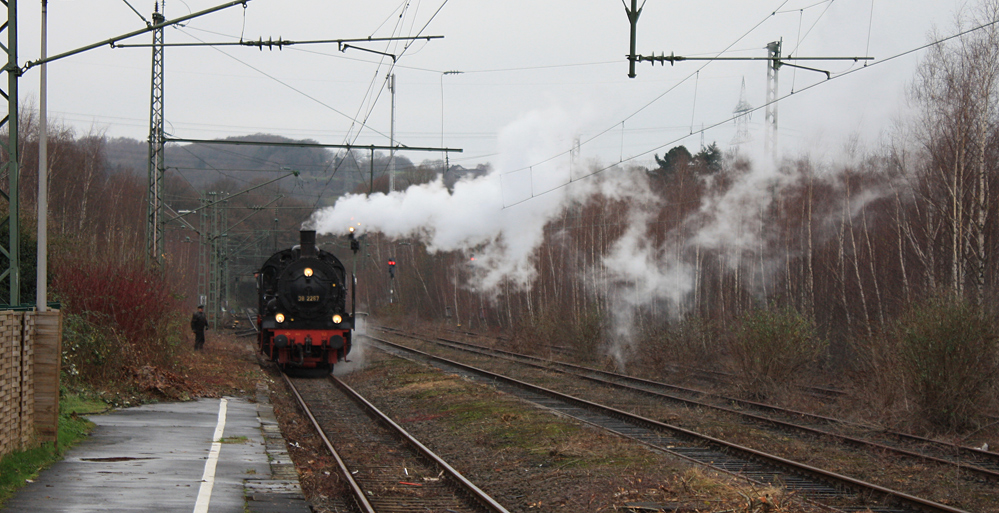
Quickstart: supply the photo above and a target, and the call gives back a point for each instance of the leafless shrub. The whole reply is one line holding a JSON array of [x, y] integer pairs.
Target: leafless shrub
[[878, 376], [936, 371], [949, 354], [549, 335], [771, 348], [682, 347]]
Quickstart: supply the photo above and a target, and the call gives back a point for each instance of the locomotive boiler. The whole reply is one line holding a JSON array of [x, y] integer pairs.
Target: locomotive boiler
[[302, 317]]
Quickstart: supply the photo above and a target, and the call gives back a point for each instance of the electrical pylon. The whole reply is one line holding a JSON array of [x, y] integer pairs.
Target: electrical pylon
[[11, 167], [213, 255], [743, 113], [157, 166], [773, 66]]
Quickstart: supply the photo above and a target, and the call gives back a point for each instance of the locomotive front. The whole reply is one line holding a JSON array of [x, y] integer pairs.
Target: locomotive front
[[302, 316]]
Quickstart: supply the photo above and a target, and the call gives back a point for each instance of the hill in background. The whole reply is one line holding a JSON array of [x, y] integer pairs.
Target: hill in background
[[325, 174]]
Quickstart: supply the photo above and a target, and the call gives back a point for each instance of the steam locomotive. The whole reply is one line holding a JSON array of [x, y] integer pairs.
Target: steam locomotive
[[303, 320]]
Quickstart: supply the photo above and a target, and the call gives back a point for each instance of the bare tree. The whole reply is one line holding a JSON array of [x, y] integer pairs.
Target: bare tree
[[957, 91]]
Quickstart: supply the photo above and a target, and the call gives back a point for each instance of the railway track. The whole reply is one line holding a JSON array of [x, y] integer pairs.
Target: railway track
[[386, 469], [976, 463], [818, 486], [710, 376], [707, 375]]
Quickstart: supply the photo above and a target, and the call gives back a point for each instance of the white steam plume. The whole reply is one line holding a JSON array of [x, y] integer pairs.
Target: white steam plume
[[473, 217], [638, 272], [731, 221], [501, 218]]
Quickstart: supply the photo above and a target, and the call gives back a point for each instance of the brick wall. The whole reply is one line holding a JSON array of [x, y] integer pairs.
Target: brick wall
[[30, 357], [45, 332], [17, 403]]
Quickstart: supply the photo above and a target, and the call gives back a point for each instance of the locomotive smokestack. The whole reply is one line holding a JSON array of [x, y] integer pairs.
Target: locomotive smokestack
[[307, 243]]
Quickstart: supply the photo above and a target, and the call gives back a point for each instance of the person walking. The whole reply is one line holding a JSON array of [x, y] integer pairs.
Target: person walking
[[198, 324]]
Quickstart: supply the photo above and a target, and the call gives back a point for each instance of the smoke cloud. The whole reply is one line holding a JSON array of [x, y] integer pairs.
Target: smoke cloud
[[489, 215], [501, 217], [638, 273]]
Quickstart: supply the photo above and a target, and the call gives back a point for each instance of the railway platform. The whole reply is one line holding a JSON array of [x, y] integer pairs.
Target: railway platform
[[210, 455]]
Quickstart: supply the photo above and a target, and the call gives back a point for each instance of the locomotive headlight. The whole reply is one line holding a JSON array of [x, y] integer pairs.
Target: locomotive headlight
[[337, 319], [308, 272], [279, 318]]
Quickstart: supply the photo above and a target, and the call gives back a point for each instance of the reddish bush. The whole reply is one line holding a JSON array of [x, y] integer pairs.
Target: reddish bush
[[125, 302]]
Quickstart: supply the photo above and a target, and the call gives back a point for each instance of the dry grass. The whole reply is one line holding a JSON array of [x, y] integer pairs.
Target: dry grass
[[534, 461], [227, 366]]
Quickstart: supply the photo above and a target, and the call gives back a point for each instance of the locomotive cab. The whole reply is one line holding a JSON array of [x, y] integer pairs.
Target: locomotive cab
[[302, 317]]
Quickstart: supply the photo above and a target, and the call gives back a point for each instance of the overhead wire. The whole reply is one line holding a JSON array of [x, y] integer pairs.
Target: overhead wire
[[870, 26], [279, 81], [664, 93], [342, 56], [373, 101], [391, 14], [468, 72], [369, 96], [250, 158], [805, 8], [380, 90], [353, 119], [794, 73], [416, 12], [213, 168], [401, 54], [137, 13], [776, 100], [693, 108], [819, 18]]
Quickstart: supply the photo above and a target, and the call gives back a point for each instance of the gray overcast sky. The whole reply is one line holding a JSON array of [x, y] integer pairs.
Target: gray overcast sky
[[536, 74]]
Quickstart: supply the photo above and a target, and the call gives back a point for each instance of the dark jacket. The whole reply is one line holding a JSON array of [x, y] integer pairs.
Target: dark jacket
[[198, 321]]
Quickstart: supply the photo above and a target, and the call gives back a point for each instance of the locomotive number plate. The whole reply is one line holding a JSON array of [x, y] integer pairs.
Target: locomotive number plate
[[307, 299]]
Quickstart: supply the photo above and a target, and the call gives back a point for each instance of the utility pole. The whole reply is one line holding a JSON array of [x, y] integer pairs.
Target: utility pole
[[633, 15], [213, 276], [224, 281], [574, 154], [447, 162], [157, 168], [391, 82], [42, 255], [773, 65], [204, 236], [12, 252]]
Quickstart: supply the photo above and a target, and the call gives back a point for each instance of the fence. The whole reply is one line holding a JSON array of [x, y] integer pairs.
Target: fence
[[30, 355]]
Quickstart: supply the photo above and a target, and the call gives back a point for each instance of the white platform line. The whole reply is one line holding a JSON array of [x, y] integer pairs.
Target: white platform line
[[208, 478]]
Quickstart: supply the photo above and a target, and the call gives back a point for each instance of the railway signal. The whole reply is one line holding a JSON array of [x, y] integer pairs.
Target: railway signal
[[355, 244], [391, 264]]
